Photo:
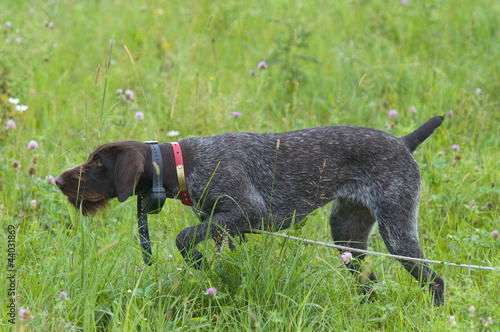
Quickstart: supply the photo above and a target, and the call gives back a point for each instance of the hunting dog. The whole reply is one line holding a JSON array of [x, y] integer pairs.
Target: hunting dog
[[243, 181]]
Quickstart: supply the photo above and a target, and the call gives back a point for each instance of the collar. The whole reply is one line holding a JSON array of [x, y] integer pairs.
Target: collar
[[181, 176], [150, 201], [156, 196]]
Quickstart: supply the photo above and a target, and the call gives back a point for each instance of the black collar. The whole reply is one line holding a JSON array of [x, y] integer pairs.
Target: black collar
[[150, 202]]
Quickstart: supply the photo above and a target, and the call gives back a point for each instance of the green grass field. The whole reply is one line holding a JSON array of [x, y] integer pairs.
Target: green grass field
[[329, 63]]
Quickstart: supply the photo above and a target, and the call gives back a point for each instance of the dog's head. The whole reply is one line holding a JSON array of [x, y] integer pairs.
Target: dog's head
[[112, 170]]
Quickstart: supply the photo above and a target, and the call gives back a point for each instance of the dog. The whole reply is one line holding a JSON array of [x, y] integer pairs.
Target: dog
[[243, 181]]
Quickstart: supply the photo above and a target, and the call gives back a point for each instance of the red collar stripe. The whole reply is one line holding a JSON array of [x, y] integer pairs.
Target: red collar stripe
[[181, 175]]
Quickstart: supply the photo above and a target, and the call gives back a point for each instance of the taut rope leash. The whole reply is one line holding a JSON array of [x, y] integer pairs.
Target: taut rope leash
[[374, 253]]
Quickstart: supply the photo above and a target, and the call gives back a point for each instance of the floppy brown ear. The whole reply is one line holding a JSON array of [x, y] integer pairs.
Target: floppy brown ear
[[129, 168]]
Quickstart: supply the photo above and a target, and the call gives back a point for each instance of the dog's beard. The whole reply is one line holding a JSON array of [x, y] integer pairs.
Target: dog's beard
[[89, 204]]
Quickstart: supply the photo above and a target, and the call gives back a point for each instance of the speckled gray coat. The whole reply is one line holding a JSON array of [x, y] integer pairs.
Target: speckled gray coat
[[240, 181]]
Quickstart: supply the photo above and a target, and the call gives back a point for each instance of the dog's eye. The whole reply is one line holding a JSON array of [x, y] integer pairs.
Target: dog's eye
[[97, 162]]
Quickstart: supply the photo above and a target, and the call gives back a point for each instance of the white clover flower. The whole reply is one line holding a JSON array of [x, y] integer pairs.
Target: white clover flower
[[14, 101], [21, 108], [173, 133]]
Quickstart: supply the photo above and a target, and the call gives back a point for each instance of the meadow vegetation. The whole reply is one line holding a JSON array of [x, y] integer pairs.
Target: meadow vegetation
[[390, 65]]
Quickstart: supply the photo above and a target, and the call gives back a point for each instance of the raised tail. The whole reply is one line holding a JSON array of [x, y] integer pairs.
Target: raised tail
[[422, 133]]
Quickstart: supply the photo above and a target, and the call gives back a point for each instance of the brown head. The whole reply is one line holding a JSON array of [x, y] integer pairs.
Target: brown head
[[112, 170]]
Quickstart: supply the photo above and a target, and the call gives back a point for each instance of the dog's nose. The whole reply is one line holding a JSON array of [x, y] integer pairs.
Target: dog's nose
[[59, 181]]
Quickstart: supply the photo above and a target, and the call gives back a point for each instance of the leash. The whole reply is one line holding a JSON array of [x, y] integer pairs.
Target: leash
[[374, 253]]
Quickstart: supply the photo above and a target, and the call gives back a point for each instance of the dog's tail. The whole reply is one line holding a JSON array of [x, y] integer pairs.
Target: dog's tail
[[422, 133]]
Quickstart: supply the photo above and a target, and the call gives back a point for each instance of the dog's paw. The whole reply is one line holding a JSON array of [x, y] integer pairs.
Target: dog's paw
[[437, 291]]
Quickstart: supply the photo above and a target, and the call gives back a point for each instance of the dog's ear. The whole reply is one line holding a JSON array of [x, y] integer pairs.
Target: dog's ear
[[129, 168]]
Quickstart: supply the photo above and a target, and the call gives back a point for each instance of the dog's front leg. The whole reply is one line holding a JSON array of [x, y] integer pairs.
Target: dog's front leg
[[225, 241], [188, 238]]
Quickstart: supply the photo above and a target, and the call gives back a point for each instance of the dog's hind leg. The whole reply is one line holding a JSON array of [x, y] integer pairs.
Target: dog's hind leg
[[398, 228], [351, 223]]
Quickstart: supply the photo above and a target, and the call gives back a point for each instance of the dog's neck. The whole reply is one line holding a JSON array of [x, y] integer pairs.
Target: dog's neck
[[170, 182]]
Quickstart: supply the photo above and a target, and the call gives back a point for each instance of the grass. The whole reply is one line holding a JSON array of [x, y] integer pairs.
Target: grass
[[190, 72]]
